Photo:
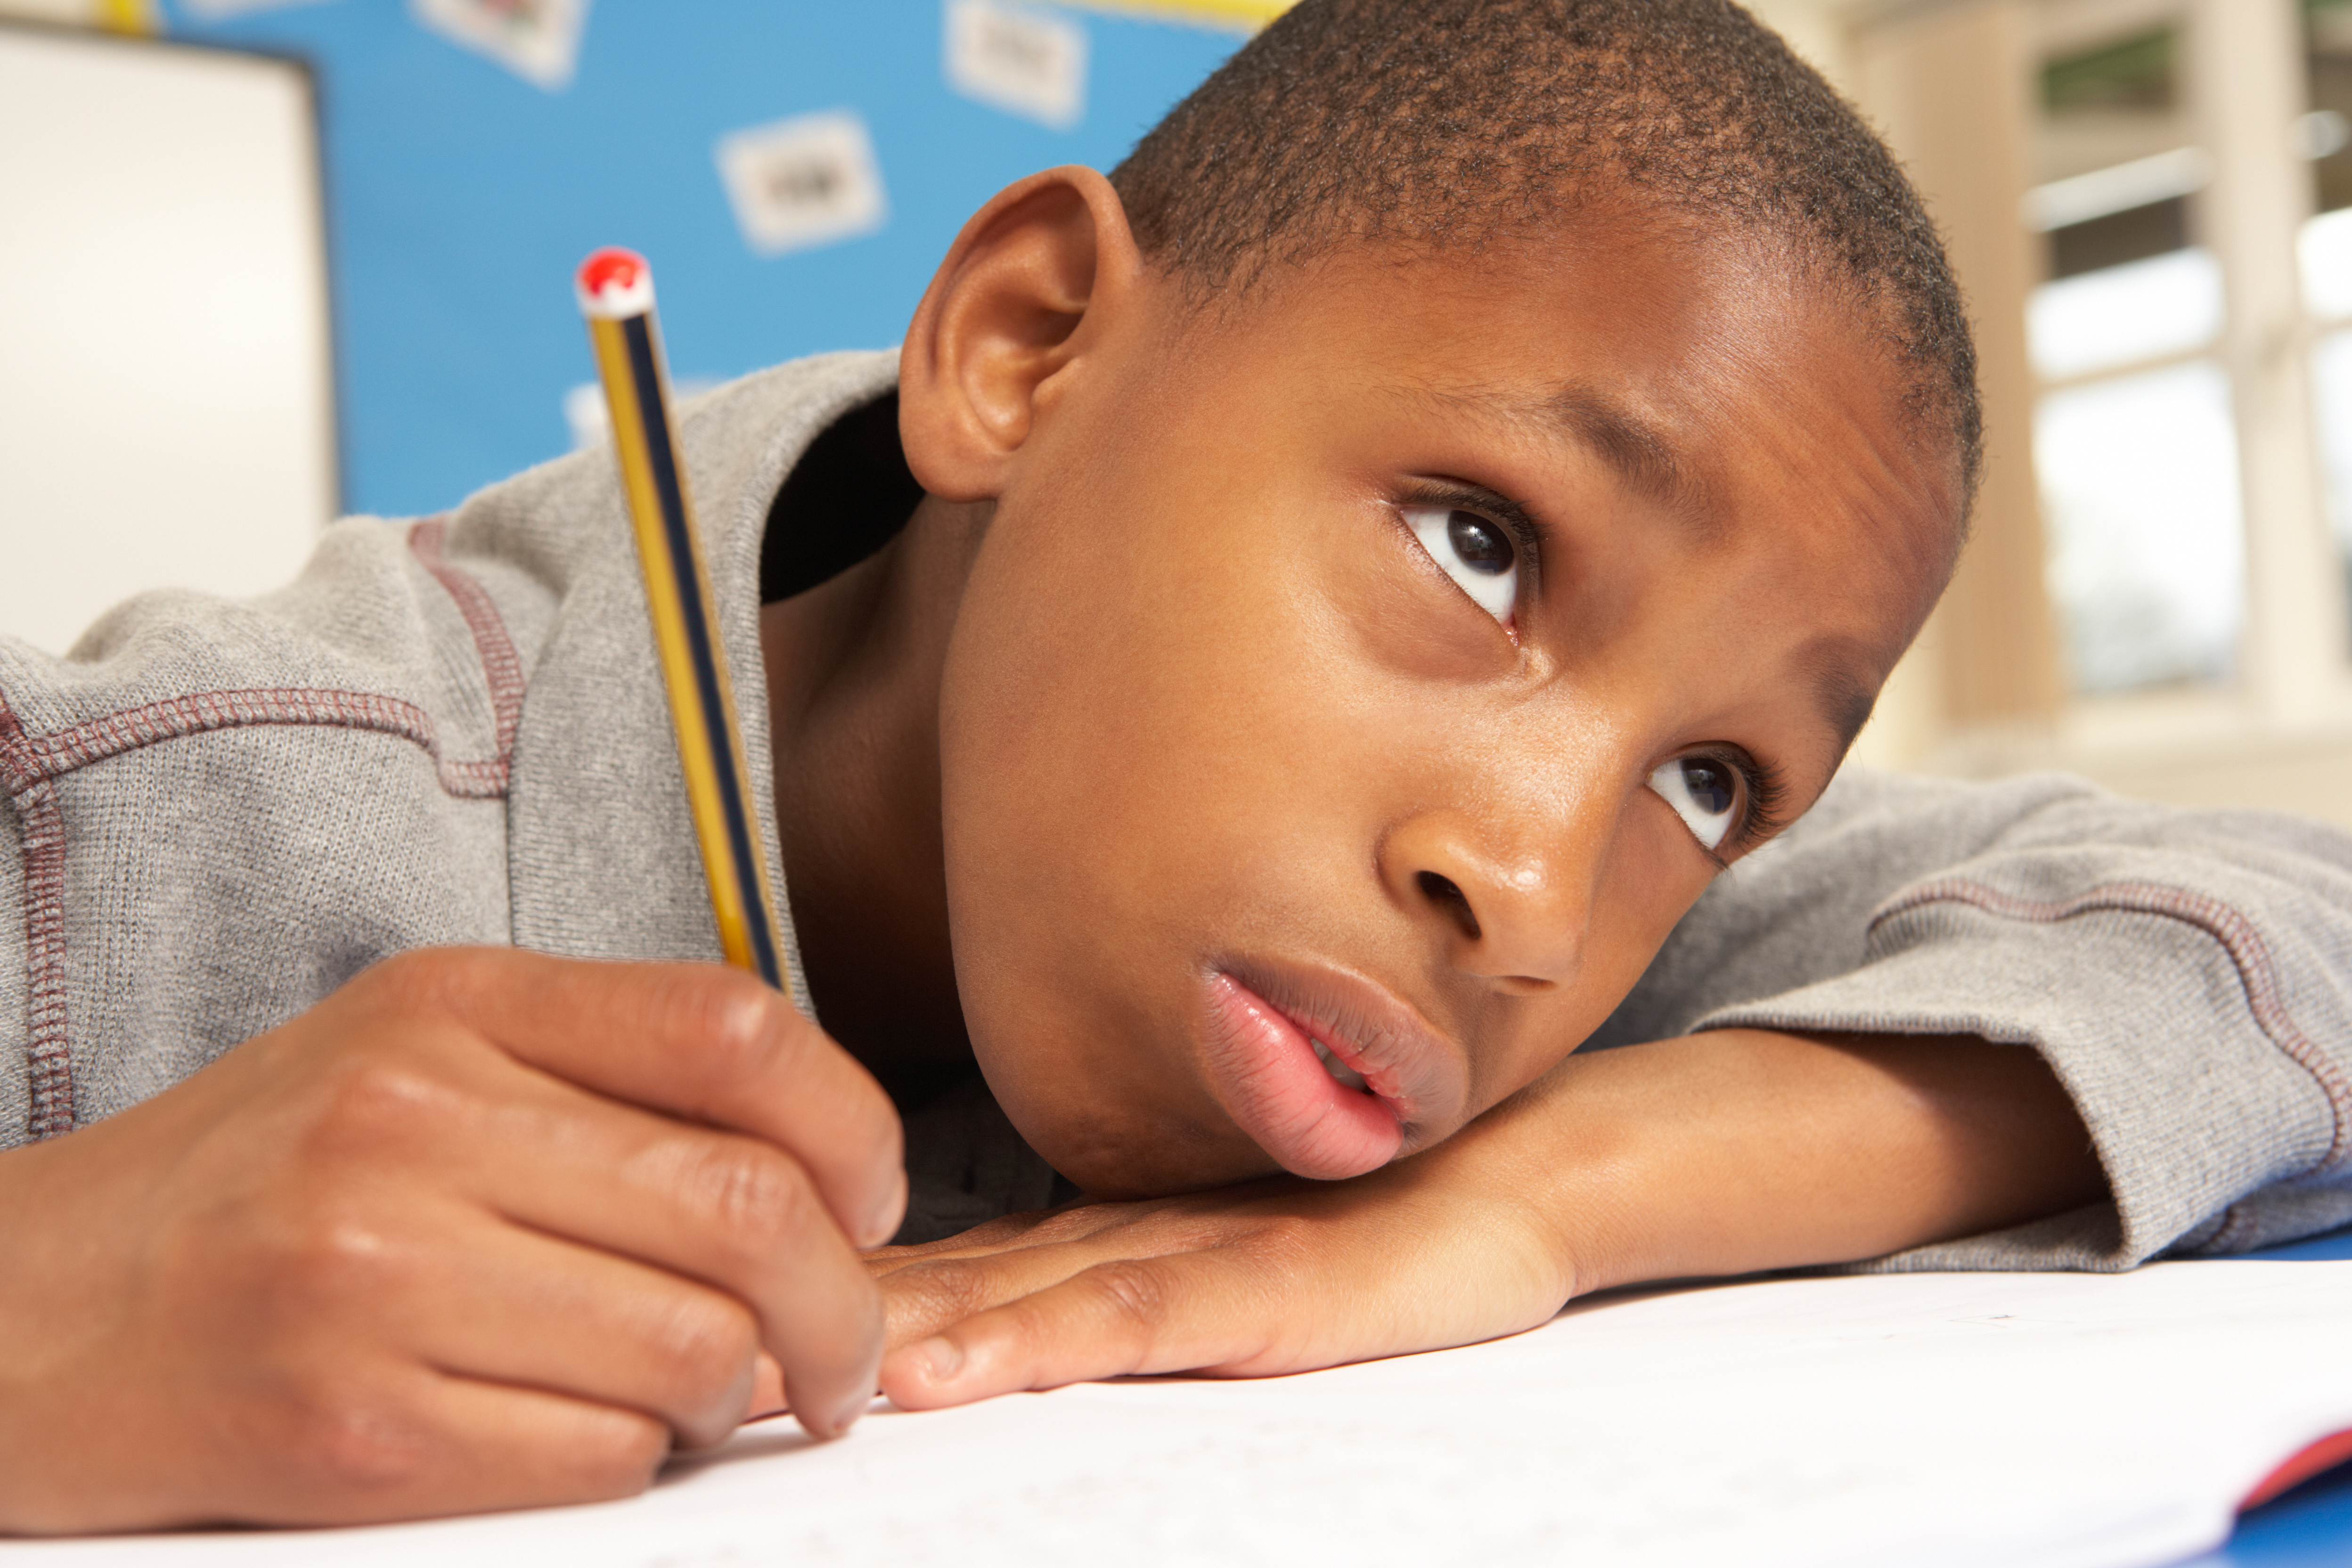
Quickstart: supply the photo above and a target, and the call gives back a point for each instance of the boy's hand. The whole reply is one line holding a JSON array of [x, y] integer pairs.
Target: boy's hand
[[1721, 1154], [482, 1230], [1277, 1276]]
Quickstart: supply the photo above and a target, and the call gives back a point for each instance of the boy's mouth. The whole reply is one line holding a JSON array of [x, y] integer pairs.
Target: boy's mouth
[[1340, 1071], [1329, 1073]]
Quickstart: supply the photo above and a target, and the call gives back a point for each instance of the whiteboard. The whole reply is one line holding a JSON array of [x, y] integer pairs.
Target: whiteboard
[[166, 402]]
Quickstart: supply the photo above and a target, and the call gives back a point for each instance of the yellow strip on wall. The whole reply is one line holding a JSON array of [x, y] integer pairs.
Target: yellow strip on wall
[[1248, 15], [134, 16]]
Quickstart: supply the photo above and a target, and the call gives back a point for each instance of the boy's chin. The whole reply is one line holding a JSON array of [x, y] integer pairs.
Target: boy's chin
[[1119, 1154]]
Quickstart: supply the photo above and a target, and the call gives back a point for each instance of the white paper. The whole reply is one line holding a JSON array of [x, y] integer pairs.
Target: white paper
[[1018, 59], [807, 181], [539, 40], [2023, 1421]]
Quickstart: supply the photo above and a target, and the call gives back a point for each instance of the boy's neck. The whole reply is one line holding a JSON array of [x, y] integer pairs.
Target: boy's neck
[[854, 669]]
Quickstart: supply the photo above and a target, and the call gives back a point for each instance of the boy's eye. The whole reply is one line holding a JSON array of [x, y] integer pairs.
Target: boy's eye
[[1475, 553], [1705, 793]]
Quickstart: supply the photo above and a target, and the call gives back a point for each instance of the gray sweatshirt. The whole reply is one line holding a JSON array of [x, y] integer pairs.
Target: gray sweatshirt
[[454, 731]]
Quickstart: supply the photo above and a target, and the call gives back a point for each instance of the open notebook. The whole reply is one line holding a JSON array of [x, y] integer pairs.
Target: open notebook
[[1938, 1418]]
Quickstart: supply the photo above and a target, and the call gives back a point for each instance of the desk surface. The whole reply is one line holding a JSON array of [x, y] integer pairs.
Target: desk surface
[[2311, 1525], [2165, 1392]]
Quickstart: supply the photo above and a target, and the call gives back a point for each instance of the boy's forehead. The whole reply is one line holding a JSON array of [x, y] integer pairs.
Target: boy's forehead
[[1641, 450], [1625, 330], [1710, 373]]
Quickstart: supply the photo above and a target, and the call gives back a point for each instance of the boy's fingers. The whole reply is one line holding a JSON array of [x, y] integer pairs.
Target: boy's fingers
[[926, 1288], [926, 1295], [1189, 1312], [732, 1210], [490, 1447], [1005, 1230], [530, 1310], [767, 1389], [699, 1040]]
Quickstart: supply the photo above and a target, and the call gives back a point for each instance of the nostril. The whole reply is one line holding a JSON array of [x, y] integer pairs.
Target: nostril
[[1447, 894]]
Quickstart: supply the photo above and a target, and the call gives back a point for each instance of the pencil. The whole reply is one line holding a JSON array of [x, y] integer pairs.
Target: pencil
[[616, 294]]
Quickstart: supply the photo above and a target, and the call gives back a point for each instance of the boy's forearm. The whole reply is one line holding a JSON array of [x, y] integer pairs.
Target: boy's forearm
[[1741, 1150]]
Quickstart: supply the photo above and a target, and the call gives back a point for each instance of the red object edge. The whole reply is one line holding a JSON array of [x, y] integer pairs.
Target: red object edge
[[612, 266], [2300, 1467]]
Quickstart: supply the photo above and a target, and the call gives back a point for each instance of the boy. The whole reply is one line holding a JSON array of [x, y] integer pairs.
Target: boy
[[1261, 677]]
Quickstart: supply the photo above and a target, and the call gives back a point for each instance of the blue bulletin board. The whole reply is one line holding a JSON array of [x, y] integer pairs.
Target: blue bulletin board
[[475, 150]]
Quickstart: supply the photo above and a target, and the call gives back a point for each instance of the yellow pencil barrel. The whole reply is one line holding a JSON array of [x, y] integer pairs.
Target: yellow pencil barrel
[[616, 290]]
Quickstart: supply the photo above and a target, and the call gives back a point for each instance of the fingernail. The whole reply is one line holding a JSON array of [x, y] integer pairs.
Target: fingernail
[[943, 1359], [850, 1413], [887, 1216]]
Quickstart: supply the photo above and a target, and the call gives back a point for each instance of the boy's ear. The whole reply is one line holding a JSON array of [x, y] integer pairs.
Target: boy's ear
[[1029, 285]]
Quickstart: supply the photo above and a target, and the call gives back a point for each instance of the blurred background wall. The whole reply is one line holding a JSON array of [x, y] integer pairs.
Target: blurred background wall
[[2150, 205], [388, 197], [2149, 202]]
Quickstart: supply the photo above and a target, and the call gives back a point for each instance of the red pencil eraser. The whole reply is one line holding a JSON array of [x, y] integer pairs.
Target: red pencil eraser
[[615, 283]]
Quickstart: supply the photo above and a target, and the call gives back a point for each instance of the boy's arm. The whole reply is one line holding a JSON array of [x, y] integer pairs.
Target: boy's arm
[[2186, 974], [1724, 1153], [2173, 985]]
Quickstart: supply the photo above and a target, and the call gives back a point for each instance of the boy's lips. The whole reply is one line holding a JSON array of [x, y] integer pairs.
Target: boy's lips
[[1264, 1023]]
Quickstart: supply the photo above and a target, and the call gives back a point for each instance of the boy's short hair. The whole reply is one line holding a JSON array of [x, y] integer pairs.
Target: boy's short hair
[[1438, 124]]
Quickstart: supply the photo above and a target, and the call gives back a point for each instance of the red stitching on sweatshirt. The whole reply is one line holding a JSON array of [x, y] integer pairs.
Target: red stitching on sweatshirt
[[501, 664], [44, 850], [30, 766], [52, 756], [2233, 930], [2225, 1239]]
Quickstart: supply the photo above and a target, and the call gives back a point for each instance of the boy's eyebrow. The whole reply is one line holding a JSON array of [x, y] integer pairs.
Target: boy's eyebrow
[[1633, 444], [1844, 700], [1628, 443]]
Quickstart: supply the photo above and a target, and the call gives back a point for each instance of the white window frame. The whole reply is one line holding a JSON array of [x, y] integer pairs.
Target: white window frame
[[2286, 722]]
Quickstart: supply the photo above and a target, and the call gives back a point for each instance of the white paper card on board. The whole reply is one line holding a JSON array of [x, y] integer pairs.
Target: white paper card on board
[[221, 10], [1018, 59], [539, 40], [807, 181]]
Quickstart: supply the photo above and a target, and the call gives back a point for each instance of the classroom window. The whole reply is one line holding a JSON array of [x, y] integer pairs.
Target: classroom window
[[2331, 375], [2140, 474], [2135, 450], [2150, 207], [2324, 255], [2326, 129]]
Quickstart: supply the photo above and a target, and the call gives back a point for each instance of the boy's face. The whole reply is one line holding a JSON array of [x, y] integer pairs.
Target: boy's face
[[1372, 667]]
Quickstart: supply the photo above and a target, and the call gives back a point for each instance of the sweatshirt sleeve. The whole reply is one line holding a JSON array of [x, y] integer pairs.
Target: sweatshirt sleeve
[[13, 1022], [2187, 976]]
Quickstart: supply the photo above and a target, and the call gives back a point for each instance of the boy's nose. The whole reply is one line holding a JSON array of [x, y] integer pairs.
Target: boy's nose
[[1512, 916]]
